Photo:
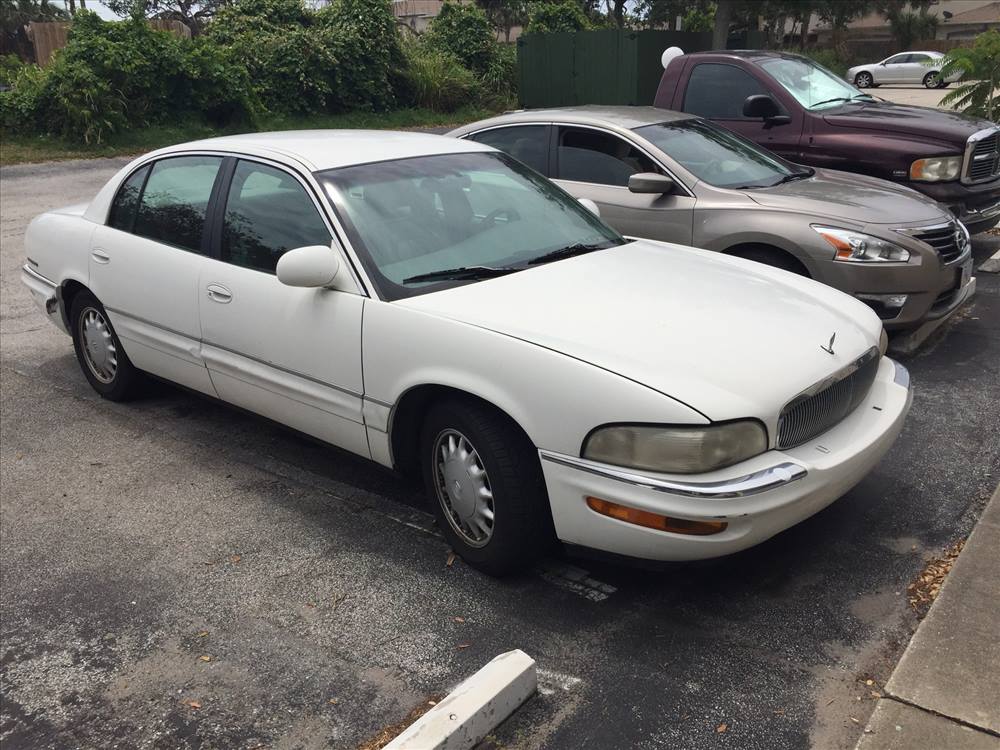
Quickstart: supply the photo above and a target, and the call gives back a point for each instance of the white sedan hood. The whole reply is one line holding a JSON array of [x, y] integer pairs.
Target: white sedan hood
[[729, 338]]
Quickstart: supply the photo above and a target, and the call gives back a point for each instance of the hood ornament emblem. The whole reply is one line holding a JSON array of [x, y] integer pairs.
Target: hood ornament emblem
[[829, 348]]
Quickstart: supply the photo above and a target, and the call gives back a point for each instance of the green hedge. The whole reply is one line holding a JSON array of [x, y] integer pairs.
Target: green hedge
[[256, 59]]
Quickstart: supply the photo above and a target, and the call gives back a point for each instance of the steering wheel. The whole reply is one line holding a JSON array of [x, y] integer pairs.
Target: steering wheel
[[491, 219]]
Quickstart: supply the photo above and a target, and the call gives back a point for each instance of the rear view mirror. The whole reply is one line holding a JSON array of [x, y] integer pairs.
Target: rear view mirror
[[310, 266], [651, 182], [590, 206]]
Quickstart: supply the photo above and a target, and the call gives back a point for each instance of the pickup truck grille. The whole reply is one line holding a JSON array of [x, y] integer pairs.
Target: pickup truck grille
[[982, 161], [827, 403], [944, 239]]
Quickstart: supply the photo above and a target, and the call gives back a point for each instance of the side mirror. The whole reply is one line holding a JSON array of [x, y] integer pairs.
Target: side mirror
[[590, 206], [651, 182], [760, 105], [310, 266]]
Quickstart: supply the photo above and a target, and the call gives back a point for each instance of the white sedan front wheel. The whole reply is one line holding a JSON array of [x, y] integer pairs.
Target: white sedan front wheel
[[485, 482]]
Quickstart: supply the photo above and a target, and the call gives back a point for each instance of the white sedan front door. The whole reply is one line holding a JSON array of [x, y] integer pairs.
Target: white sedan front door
[[290, 354]]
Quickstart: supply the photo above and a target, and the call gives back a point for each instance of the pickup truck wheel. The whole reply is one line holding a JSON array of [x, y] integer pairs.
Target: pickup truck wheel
[[485, 482], [932, 81], [863, 80], [99, 352]]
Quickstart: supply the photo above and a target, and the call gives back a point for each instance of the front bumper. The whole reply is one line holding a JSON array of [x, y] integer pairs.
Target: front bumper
[[757, 498], [976, 205]]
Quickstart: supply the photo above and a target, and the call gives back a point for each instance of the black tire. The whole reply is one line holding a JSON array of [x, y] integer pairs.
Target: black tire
[[772, 257], [932, 81], [864, 80], [119, 384], [521, 528]]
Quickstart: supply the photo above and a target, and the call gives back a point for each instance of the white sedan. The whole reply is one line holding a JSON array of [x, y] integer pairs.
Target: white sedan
[[435, 306]]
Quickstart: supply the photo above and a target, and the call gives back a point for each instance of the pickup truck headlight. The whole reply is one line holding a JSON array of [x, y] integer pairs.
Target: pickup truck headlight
[[936, 169], [856, 247], [676, 450]]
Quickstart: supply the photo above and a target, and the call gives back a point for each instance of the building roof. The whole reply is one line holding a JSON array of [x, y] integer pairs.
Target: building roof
[[989, 13], [328, 149]]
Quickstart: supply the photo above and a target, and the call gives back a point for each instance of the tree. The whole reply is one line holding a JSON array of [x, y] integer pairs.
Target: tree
[[556, 15], [909, 20], [977, 92], [504, 15], [723, 17], [616, 10], [839, 13], [192, 13]]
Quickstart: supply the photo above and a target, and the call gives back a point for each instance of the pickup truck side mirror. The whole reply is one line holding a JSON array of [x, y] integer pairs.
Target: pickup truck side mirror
[[764, 107], [651, 182]]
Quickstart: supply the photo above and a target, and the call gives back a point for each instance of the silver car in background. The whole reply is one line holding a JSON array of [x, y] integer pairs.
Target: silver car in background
[[906, 67], [669, 176]]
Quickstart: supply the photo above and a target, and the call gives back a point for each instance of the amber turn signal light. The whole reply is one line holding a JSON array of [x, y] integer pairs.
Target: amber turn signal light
[[655, 520]]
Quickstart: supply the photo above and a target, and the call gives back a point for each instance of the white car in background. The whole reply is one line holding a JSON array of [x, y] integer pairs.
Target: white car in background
[[435, 306], [906, 67]]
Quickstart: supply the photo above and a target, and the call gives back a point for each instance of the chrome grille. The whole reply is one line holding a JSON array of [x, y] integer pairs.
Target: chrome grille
[[983, 158], [945, 239], [827, 403]]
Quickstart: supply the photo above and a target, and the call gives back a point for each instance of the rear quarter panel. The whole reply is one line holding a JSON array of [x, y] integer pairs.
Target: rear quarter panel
[[57, 244]]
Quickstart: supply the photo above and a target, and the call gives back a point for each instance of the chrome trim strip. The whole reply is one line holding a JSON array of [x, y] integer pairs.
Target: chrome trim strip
[[750, 484], [37, 276]]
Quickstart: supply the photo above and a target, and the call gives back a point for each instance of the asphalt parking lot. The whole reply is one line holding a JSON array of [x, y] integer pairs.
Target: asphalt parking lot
[[176, 574]]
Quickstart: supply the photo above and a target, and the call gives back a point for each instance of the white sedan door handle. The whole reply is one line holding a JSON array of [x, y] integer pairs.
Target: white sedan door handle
[[100, 256], [219, 293]]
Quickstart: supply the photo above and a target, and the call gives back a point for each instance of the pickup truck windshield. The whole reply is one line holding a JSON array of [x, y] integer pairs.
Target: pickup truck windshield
[[812, 85], [718, 156], [427, 222]]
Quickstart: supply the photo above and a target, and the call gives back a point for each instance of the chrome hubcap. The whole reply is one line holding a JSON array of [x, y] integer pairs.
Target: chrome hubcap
[[463, 488], [98, 345]]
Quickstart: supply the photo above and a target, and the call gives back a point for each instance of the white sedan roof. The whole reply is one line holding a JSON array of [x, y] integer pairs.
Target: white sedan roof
[[328, 149]]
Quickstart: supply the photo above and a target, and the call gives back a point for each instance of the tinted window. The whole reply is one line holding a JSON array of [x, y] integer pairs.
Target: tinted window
[[718, 91], [719, 156], [917, 58], [592, 156], [173, 205], [123, 208], [897, 59], [268, 213], [526, 143]]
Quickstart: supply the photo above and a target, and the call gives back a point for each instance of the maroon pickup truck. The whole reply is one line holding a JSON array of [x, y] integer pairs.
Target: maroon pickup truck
[[805, 113]]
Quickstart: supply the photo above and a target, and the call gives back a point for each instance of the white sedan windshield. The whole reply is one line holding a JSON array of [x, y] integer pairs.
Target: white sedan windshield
[[811, 84], [456, 218]]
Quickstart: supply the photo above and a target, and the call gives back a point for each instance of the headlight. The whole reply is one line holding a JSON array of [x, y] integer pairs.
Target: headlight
[[861, 248], [936, 169], [676, 450]]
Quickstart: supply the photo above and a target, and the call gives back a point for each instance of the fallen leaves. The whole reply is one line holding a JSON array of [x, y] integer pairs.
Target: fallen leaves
[[459, 620], [192, 704], [925, 589], [205, 657], [722, 728], [202, 634], [462, 646], [235, 559], [451, 559]]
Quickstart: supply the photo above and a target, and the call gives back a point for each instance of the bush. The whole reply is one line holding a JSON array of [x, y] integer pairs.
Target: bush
[[437, 80], [556, 15], [500, 76], [10, 66], [464, 32]]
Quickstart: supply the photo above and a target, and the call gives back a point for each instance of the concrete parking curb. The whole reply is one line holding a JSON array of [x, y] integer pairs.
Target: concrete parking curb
[[475, 707], [991, 264], [945, 689]]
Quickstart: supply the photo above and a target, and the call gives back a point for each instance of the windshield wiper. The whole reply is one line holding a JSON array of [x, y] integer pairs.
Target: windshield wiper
[[829, 101], [578, 248], [792, 177], [461, 273]]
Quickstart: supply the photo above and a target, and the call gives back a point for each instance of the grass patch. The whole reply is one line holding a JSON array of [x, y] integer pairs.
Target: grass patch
[[19, 149]]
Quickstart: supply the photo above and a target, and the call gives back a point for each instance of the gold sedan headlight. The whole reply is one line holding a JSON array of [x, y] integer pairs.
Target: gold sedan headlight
[[676, 449]]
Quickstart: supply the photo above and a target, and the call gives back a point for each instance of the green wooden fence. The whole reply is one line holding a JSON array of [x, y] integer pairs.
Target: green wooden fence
[[607, 66]]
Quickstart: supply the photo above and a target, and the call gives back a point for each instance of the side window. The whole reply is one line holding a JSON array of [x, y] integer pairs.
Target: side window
[[173, 205], [529, 144], [123, 208], [897, 59], [717, 91], [592, 156], [917, 58], [268, 212]]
